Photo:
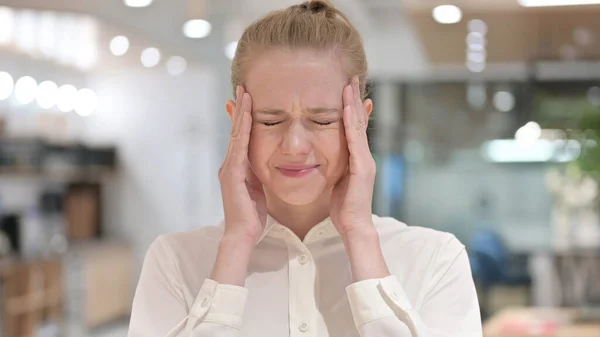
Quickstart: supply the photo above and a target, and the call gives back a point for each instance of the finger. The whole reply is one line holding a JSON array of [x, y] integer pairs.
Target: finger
[[241, 143], [235, 120], [349, 127], [358, 146], [237, 113], [246, 105], [351, 123], [358, 102]]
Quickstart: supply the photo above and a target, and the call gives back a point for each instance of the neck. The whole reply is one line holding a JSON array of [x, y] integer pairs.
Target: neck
[[299, 218]]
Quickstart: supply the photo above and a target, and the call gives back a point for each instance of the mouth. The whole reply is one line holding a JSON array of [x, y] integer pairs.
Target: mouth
[[296, 171]]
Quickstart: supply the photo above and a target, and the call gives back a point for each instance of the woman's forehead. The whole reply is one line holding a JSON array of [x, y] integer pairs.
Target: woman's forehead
[[294, 66], [286, 76]]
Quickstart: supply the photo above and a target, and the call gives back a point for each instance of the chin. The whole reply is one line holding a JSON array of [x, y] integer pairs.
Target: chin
[[299, 196]]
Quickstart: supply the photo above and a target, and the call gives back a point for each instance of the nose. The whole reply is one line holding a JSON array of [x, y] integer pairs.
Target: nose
[[296, 140]]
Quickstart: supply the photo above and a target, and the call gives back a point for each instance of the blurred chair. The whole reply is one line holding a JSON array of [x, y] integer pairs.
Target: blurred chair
[[493, 266]]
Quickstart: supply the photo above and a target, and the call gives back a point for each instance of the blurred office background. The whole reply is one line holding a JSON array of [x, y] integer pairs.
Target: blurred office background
[[113, 127]]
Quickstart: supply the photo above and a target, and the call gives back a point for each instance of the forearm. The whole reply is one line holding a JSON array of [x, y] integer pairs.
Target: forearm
[[233, 258], [366, 257]]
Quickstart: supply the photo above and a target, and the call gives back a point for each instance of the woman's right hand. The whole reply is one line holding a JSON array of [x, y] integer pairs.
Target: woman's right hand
[[244, 202]]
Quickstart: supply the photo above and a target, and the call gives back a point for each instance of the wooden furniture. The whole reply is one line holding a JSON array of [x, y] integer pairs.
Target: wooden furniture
[[539, 322], [32, 294], [82, 211], [99, 283]]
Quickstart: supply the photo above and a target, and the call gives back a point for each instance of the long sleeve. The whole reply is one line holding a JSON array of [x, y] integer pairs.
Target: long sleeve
[[381, 308], [159, 308]]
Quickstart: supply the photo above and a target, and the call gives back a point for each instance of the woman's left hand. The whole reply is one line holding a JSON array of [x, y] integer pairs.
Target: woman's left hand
[[351, 199], [352, 196]]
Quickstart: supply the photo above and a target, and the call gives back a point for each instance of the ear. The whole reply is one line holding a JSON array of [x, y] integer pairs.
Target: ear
[[230, 106], [368, 107]]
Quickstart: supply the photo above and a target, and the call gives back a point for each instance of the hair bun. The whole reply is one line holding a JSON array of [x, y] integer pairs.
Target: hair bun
[[319, 6]]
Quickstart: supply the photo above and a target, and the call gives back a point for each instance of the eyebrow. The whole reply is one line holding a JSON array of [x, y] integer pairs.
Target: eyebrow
[[314, 111]]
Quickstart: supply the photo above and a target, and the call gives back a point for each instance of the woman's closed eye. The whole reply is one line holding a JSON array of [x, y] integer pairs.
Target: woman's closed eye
[[324, 123], [271, 123], [317, 122]]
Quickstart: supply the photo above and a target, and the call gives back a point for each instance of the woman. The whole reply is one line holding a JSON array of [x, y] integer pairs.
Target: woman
[[299, 252]]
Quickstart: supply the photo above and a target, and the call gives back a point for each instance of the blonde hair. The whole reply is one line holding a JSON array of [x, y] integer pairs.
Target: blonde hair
[[313, 24]]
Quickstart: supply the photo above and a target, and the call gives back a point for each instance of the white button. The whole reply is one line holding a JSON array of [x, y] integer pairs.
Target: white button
[[320, 233], [303, 259], [303, 327], [394, 296]]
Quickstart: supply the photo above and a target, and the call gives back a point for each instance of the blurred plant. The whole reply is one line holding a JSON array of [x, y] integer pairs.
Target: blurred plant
[[571, 187], [575, 186], [575, 217], [589, 159]]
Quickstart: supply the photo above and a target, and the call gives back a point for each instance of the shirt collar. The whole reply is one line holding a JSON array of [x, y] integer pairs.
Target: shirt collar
[[323, 230]]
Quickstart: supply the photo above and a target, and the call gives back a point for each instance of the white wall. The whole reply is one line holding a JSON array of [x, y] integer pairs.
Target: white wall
[[164, 128]]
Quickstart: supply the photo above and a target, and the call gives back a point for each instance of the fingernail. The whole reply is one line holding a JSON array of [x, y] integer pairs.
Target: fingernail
[[356, 80]]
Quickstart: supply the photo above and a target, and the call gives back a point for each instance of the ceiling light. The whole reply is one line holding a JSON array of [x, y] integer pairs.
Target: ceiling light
[[138, 3], [47, 94], [475, 67], [86, 102], [197, 29], [528, 134], [150, 57], [551, 3], [67, 95], [447, 14], [476, 56], [513, 151], [119, 45], [26, 90], [504, 101], [478, 26], [476, 41], [176, 65]]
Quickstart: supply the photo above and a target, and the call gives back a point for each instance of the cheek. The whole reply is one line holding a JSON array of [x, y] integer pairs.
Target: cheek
[[261, 148], [332, 145]]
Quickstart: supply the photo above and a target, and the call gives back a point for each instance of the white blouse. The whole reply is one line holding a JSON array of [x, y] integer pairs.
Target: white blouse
[[305, 289]]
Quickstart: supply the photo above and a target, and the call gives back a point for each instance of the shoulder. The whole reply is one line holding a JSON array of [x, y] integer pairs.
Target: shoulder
[[201, 241], [418, 243], [190, 254], [392, 229]]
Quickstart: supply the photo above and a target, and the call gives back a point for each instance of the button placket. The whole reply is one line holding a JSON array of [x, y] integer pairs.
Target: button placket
[[302, 275]]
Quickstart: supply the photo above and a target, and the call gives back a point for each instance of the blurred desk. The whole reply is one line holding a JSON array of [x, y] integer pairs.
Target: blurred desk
[[31, 295], [539, 322], [99, 283], [565, 277]]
